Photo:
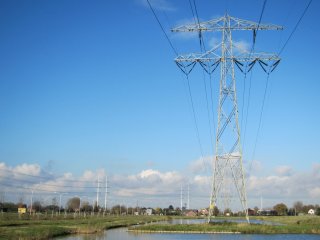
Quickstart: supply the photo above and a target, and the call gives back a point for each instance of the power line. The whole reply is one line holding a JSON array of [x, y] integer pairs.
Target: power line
[[295, 27], [44, 184], [189, 88], [267, 82], [208, 111], [285, 21], [247, 107], [194, 17], [255, 33], [41, 189], [190, 94], [198, 22], [25, 174], [249, 94], [195, 9], [260, 121], [167, 37], [48, 178], [194, 117], [203, 49], [174, 192], [262, 11]]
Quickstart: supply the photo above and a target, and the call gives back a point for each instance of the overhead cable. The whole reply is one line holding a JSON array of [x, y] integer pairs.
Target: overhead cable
[[203, 49], [250, 65], [167, 37], [295, 27]]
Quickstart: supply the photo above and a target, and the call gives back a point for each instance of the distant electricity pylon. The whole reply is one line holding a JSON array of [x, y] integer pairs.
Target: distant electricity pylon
[[228, 167]]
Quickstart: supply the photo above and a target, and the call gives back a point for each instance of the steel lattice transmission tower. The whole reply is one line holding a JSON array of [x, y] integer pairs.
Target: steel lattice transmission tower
[[228, 168]]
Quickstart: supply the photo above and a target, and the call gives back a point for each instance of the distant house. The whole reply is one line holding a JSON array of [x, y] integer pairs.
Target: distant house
[[204, 212], [266, 213], [149, 211], [251, 212], [191, 213], [311, 211], [22, 210]]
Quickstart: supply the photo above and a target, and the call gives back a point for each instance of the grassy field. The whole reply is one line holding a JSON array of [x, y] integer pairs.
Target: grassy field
[[290, 225], [47, 227]]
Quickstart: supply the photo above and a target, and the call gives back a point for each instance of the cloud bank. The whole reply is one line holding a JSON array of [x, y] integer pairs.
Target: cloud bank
[[283, 184]]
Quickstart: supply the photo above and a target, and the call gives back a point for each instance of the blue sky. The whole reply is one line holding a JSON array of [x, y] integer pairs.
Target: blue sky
[[87, 85]]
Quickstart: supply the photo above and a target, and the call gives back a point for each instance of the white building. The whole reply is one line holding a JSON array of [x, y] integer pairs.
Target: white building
[[149, 211], [311, 212]]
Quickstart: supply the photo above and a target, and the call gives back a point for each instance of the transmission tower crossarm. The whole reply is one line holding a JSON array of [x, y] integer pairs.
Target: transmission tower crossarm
[[255, 57], [218, 24], [210, 60], [194, 57]]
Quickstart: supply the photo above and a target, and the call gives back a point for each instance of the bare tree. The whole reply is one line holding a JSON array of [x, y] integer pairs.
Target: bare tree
[[54, 201], [85, 206], [281, 209], [298, 206], [2, 197], [73, 204], [37, 206]]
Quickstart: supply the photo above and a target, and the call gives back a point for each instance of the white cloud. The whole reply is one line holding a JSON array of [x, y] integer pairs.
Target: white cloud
[[203, 181], [32, 169], [241, 46], [283, 184], [315, 192], [213, 42], [150, 186], [163, 5], [148, 173], [88, 175], [202, 165], [21, 171], [287, 184], [284, 170], [254, 166], [316, 170], [148, 178]]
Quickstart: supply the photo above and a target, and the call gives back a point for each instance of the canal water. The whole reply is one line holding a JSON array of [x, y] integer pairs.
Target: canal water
[[123, 234]]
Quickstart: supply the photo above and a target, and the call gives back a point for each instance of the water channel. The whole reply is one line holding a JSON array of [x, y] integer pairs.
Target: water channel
[[123, 234]]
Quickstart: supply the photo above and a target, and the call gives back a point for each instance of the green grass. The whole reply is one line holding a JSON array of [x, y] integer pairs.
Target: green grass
[[13, 227], [46, 227], [291, 225]]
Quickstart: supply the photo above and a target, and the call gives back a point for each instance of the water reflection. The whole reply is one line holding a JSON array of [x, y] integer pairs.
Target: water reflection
[[184, 221], [253, 221], [123, 234]]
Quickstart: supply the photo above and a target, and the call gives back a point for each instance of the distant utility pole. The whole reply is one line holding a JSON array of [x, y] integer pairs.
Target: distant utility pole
[[31, 200], [181, 198], [106, 194], [98, 189], [188, 196], [137, 207], [228, 150]]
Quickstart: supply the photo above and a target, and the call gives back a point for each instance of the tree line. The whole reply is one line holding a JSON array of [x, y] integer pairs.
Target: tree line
[[75, 204]]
